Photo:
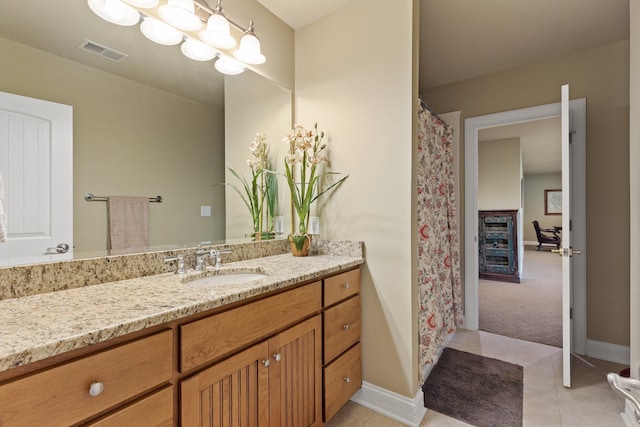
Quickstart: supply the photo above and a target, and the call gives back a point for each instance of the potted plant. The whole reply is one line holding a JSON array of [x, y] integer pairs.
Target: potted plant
[[304, 173], [260, 194]]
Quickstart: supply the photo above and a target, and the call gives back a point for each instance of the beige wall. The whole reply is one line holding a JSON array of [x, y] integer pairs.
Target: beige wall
[[499, 172], [129, 139], [601, 75], [253, 105], [534, 186], [361, 91]]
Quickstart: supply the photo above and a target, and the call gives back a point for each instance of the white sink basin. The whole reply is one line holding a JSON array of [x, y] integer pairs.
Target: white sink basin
[[227, 278]]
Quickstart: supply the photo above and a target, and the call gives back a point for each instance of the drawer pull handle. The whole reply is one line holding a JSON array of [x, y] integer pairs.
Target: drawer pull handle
[[266, 363], [345, 285], [347, 380], [96, 389], [277, 357], [346, 327]]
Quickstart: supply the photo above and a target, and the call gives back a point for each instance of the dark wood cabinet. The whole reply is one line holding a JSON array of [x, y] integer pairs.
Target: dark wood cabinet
[[498, 245]]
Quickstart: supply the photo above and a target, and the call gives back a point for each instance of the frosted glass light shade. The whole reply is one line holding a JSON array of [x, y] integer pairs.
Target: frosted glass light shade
[[249, 51], [227, 65], [115, 11], [145, 4], [181, 14], [197, 50], [218, 33], [159, 32]]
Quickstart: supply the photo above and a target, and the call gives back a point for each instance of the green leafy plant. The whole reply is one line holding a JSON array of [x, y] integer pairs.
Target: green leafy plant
[[304, 172], [261, 192]]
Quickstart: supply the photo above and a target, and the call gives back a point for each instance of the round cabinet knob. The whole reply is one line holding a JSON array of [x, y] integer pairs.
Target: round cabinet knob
[[277, 357], [266, 363], [347, 380], [346, 327], [96, 389], [345, 285]]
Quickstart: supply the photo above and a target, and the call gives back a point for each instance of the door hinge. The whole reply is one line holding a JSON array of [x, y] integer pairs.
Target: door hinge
[[570, 225], [570, 312]]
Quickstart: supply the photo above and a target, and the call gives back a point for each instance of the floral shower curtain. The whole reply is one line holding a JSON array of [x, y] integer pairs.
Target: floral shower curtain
[[439, 286]]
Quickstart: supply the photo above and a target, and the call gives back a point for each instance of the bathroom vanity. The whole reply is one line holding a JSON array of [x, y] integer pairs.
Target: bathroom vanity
[[162, 350]]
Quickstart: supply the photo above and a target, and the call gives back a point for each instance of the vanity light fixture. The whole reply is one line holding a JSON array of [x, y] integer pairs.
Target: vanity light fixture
[[198, 51], [180, 14], [249, 51], [229, 66], [115, 11], [159, 32], [181, 21]]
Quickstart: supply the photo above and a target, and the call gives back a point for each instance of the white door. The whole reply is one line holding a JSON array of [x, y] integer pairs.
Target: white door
[[567, 250], [36, 164]]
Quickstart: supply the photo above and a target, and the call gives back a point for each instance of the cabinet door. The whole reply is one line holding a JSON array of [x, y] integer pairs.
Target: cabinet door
[[234, 392], [296, 375]]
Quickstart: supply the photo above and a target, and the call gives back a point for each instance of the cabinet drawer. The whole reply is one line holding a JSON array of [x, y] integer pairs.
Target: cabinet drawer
[[341, 327], [341, 286], [155, 410], [60, 395], [341, 380], [221, 334]]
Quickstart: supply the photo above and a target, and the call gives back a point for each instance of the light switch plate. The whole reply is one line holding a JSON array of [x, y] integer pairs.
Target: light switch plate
[[205, 210]]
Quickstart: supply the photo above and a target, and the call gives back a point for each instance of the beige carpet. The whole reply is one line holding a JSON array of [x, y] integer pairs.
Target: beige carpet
[[530, 310]]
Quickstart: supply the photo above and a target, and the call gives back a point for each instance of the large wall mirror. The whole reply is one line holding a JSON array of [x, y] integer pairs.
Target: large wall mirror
[[155, 123]]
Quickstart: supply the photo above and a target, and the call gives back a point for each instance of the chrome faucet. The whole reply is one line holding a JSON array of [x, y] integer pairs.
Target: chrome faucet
[[201, 254], [216, 254], [180, 259]]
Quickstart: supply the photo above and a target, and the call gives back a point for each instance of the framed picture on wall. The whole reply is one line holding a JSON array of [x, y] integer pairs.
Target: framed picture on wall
[[553, 202]]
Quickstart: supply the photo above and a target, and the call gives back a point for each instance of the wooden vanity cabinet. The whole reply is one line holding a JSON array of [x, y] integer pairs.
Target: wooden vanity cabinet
[[274, 382], [342, 356], [61, 395], [292, 358]]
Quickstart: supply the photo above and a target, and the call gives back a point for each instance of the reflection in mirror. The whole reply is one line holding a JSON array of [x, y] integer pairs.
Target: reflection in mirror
[[153, 124]]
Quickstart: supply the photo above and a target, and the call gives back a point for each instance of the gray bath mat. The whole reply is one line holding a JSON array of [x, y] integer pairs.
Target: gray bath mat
[[478, 390]]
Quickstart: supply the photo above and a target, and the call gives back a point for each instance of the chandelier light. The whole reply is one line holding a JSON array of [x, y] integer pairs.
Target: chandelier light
[[181, 21]]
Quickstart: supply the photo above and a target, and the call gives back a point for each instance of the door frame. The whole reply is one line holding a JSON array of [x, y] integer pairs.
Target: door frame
[[577, 110]]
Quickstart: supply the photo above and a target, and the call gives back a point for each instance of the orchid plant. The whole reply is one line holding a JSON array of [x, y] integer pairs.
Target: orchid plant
[[260, 194], [303, 168]]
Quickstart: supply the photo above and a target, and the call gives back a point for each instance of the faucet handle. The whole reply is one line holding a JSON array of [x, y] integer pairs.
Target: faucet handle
[[180, 259], [216, 255]]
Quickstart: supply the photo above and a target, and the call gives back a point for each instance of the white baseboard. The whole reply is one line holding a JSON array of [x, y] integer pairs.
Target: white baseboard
[[610, 352], [403, 409], [530, 243], [393, 405]]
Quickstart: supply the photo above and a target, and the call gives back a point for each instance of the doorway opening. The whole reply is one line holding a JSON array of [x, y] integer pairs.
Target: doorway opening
[[578, 154], [517, 163]]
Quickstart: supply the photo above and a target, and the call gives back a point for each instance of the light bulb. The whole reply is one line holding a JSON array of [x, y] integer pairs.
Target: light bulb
[[228, 65], [181, 14], [197, 50], [159, 32], [249, 51], [115, 11], [218, 33]]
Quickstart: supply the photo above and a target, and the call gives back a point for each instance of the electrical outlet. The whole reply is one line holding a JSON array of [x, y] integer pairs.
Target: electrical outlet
[[205, 210]]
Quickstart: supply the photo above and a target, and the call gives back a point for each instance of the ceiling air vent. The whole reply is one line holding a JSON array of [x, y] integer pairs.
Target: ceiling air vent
[[102, 50]]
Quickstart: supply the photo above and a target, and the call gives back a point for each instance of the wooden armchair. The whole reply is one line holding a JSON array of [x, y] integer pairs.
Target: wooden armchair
[[550, 239]]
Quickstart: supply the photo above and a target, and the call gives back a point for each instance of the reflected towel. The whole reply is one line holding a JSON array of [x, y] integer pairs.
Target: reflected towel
[[128, 222], [3, 215]]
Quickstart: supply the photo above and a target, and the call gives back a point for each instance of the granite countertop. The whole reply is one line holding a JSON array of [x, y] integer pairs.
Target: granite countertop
[[40, 326]]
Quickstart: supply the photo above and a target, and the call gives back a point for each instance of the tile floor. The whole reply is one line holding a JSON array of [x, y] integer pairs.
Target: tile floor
[[589, 403]]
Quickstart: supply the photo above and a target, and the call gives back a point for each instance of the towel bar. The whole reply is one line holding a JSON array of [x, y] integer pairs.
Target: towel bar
[[91, 198]]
